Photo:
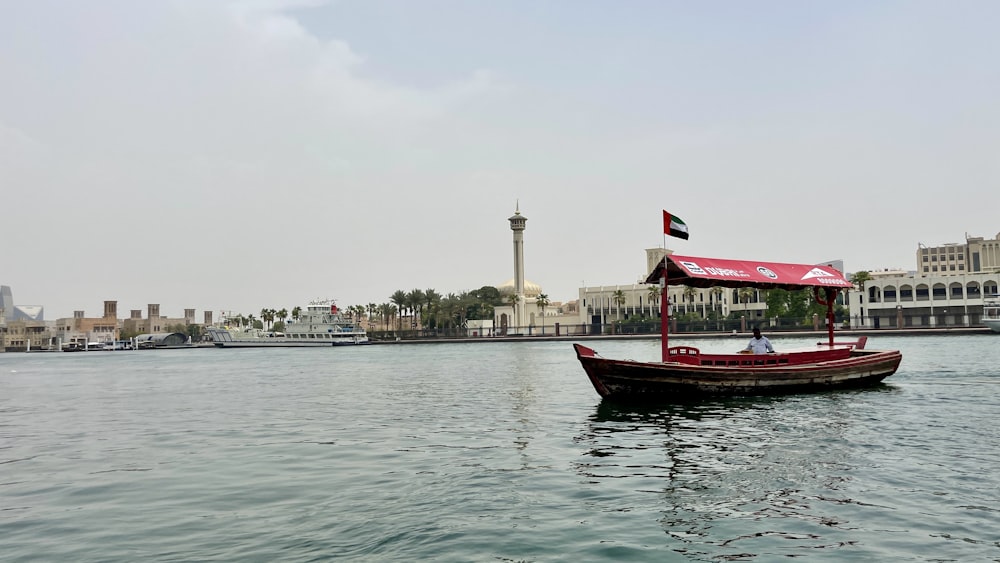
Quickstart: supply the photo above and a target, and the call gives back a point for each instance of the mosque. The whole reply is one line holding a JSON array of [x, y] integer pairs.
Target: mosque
[[523, 314], [526, 310]]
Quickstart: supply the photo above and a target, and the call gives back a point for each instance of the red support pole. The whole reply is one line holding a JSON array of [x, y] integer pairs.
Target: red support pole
[[829, 313], [664, 315]]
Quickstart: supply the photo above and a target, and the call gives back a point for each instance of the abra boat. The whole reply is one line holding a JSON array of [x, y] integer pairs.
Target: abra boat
[[991, 313], [321, 324], [685, 371]]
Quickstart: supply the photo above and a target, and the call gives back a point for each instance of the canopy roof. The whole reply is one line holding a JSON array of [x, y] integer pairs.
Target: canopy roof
[[708, 272]]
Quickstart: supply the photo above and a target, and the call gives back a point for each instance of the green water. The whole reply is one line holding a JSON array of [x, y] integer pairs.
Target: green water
[[487, 452]]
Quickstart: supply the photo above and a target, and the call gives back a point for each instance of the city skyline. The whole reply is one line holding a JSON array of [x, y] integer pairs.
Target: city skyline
[[229, 154]]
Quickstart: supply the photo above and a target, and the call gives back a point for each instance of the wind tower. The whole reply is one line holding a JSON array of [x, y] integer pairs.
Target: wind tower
[[517, 222]]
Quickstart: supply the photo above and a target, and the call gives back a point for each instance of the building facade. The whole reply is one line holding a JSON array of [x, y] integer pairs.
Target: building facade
[[977, 255], [951, 284]]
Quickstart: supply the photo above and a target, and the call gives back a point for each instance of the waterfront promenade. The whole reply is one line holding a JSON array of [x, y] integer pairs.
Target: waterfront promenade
[[821, 335]]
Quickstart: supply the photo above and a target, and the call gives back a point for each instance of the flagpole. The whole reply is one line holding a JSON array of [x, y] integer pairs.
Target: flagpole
[[664, 306]]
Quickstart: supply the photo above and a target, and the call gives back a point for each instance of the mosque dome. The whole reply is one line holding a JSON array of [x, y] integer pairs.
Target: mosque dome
[[531, 289]]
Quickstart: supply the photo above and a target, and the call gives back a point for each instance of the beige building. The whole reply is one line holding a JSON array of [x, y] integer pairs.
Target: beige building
[[23, 334], [154, 322], [949, 288], [82, 329], [977, 255]]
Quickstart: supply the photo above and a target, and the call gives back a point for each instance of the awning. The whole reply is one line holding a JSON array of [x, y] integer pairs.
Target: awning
[[694, 271]]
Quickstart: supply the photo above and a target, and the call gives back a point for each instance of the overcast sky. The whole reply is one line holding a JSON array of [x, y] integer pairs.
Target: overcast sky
[[235, 155]]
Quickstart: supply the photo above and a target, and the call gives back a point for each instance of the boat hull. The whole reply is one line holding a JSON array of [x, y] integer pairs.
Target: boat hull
[[262, 343], [637, 380], [287, 343], [994, 324]]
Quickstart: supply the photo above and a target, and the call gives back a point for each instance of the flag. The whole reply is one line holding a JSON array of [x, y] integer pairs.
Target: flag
[[674, 226]]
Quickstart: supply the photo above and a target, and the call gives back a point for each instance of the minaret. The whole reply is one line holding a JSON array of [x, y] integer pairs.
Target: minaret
[[517, 222]]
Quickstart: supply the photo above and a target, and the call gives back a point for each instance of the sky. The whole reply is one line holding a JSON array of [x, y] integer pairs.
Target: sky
[[240, 155]]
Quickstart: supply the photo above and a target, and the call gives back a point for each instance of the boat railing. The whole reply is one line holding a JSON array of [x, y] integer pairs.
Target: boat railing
[[858, 344]]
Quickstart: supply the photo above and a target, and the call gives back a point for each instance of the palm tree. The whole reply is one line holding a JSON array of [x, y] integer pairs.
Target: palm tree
[[415, 299], [745, 294], [542, 301], [282, 314], [388, 312], [372, 310], [689, 293], [267, 315], [619, 298], [717, 293], [431, 301], [859, 279], [398, 298], [296, 312], [654, 297], [514, 300]]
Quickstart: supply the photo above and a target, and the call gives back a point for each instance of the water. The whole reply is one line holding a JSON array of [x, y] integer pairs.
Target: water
[[488, 452]]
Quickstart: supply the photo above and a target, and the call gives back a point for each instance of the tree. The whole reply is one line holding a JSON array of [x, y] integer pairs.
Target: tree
[[619, 298], [655, 293], [415, 301], [398, 299], [745, 294], [859, 279], [514, 300], [267, 315], [388, 312], [282, 314], [542, 301], [717, 293], [296, 312], [689, 293]]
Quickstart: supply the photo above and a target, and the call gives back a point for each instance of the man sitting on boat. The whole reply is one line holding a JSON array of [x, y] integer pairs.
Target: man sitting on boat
[[759, 344]]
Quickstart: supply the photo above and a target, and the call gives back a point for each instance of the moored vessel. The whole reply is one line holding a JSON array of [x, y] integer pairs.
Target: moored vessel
[[991, 313], [321, 324]]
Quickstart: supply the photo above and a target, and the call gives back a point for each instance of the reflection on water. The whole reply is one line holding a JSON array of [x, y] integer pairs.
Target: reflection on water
[[493, 452], [737, 478]]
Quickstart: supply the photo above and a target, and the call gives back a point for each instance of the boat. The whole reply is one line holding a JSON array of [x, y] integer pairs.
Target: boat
[[685, 371], [991, 313], [321, 324]]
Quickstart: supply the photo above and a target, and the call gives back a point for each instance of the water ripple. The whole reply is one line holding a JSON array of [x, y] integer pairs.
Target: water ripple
[[495, 452]]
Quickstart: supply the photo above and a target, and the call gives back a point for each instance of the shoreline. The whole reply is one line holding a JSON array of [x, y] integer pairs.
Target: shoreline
[[851, 333]]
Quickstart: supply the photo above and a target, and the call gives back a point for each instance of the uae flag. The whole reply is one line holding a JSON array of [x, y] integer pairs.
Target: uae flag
[[674, 226]]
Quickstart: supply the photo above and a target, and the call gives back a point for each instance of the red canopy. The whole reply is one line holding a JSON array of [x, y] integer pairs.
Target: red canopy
[[708, 272]]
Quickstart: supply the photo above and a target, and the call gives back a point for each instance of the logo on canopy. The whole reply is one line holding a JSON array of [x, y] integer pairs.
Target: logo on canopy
[[766, 272], [693, 268], [817, 273]]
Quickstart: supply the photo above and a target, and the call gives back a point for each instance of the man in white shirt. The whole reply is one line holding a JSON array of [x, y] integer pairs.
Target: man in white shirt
[[759, 344]]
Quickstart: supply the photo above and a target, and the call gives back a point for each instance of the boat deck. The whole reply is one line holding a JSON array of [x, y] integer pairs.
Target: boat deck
[[692, 356]]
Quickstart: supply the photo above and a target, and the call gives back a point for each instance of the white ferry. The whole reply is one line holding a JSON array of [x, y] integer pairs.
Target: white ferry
[[320, 324], [991, 313]]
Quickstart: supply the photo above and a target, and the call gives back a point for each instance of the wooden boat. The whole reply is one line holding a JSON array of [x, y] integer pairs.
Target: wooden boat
[[685, 371]]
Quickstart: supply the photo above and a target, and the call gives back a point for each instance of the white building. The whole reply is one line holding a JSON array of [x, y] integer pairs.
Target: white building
[[949, 288]]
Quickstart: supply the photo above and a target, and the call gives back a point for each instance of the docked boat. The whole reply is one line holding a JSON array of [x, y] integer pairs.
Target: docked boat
[[685, 371], [321, 324], [991, 313]]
